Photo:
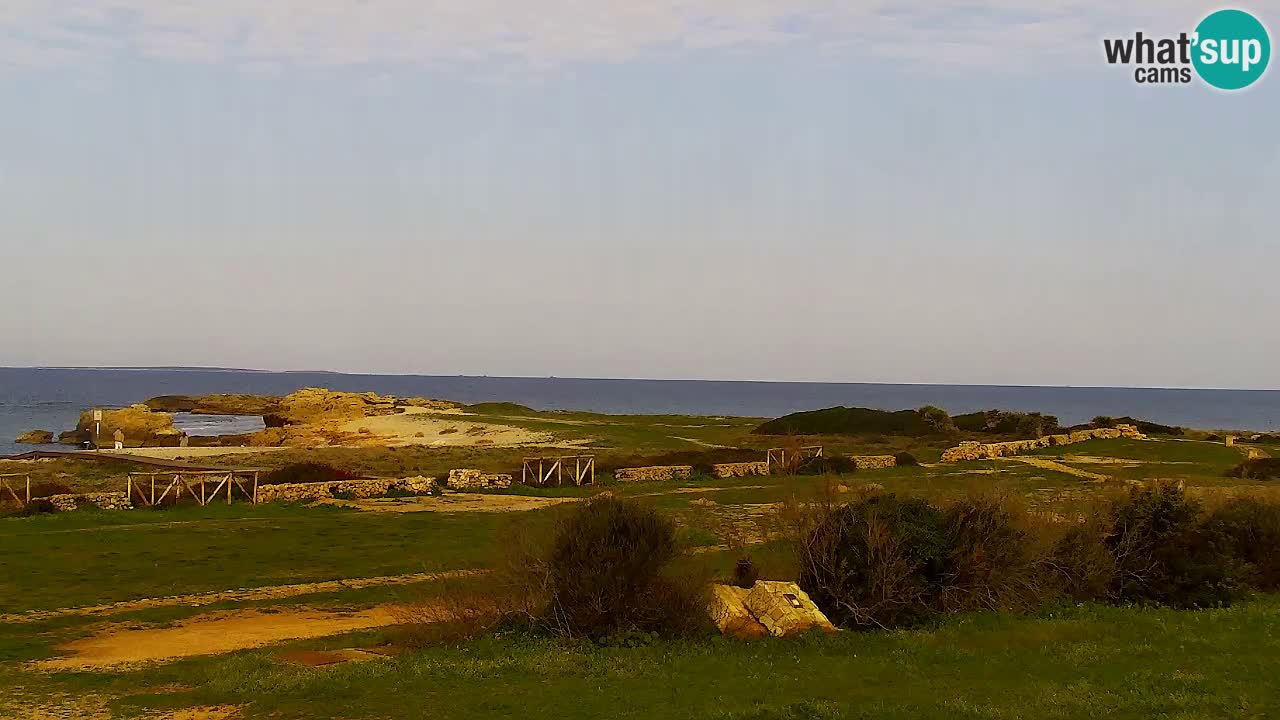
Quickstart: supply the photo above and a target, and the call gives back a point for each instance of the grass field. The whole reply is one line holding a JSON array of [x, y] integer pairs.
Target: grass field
[[1071, 662]]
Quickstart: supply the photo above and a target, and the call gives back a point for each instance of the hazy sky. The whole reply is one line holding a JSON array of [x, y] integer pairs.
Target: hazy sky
[[918, 191]]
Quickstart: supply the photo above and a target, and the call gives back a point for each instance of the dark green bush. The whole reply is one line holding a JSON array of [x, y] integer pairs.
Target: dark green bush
[[1003, 422], [1144, 427], [38, 506], [876, 562], [609, 573], [1251, 529], [905, 459], [745, 572], [849, 421], [836, 465], [1257, 469], [307, 472], [1166, 556], [1081, 566]]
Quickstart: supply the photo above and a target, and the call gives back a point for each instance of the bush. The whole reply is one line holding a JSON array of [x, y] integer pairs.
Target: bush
[[849, 421], [1081, 566], [745, 573], [38, 506], [608, 573], [876, 562], [905, 459], [307, 472], [938, 419], [1002, 422], [1144, 427], [1251, 529], [1257, 469], [1165, 556], [825, 466], [992, 562]]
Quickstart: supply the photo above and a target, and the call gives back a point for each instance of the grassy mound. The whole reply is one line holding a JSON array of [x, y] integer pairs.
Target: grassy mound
[[500, 408], [1257, 469]]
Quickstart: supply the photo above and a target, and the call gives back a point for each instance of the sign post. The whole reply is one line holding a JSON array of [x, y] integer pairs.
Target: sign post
[[97, 429]]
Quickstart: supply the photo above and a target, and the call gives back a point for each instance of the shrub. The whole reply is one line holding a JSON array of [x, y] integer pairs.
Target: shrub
[[991, 560], [307, 472], [608, 573], [1144, 427], [905, 459], [876, 562], [1257, 469], [848, 421], [938, 419], [1165, 556], [1081, 566], [1002, 422], [1251, 529], [38, 506]]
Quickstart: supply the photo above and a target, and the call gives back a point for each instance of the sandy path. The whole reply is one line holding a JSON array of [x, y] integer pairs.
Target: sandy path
[[1056, 466], [418, 426], [211, 634], [270, 592]]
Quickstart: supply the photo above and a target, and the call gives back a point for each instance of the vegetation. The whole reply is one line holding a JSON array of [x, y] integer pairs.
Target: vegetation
[[1144, 427], [851, 421], [307, 472], [1257, 469], [1003, 422]]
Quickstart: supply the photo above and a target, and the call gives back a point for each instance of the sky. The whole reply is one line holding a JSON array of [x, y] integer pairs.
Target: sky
[[936, 191]]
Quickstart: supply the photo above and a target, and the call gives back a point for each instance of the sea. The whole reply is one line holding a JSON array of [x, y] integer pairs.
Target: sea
[[52, 398]]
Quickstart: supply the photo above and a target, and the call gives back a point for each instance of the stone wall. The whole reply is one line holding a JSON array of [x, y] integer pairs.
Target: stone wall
[[742, 469], [477, 480], [989, 451], [295, 492], [656, 473], [874, 462], [104, 501]]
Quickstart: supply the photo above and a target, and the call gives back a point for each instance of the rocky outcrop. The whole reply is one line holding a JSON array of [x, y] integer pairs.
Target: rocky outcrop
[[655, 473], [222, 404], [736, 470], [345, 489], [780, 609], [314, 405], [35, 437], [140, 425], [476, 480], [990, 451], [874, 462]]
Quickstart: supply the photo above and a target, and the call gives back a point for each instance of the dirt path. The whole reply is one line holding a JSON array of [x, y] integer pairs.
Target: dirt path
[[1055, 466], [454, 503], [212, 634], [270, 592]]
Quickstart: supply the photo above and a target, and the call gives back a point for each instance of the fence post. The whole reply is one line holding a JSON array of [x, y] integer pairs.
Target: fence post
[[229, 488], [255, 487], [28, 489]]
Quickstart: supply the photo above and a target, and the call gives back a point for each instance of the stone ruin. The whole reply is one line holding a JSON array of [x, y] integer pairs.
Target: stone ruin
[[741, 469], [779, 609], [971, 450], [477, 480], [874, 462], [656, 473]]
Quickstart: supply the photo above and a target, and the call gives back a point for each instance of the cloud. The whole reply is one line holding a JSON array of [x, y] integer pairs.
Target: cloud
[[551, 33]]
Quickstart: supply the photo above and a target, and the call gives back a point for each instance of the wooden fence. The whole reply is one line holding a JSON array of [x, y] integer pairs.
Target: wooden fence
[[541, 470], [778, 456], [228, 483], [6, 488]]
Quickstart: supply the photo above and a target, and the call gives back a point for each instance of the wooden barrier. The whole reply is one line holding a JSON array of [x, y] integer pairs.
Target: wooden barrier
[[541, 470], [4, 485], [778, 456], [146, 484]]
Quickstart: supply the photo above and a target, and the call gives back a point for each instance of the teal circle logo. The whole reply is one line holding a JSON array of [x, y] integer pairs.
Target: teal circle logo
[[1232, 49]]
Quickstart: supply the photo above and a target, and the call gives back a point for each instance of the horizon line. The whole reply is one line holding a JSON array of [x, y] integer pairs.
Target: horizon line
[[197, 368]]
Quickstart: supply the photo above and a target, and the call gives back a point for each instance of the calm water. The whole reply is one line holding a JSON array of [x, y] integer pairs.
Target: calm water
[[51, 399]]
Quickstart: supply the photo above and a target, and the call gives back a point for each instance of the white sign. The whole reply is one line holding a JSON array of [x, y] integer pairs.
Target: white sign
[[97, 416]]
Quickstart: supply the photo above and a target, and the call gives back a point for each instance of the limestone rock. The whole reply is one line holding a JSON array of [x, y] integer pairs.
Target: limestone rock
[[141, 427], [728, 610], [874, 462], [784, 609], [35, 437]]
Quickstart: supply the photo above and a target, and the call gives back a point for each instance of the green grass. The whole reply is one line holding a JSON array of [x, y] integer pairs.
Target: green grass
[[85, 558], [1082, 662]]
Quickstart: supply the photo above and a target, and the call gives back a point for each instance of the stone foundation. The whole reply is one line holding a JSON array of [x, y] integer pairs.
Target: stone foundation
[[295, 492], [477, 480], [874, 462], [102, 501], [989, 451], [742, 469], [656, 473]]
